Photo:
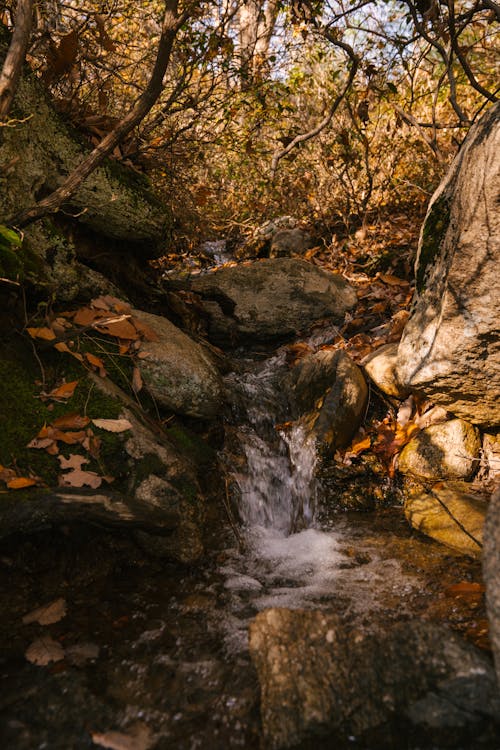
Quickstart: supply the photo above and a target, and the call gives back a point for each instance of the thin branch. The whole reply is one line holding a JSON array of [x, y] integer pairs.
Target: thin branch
[[172, 22], [303, 137], [13, 63]]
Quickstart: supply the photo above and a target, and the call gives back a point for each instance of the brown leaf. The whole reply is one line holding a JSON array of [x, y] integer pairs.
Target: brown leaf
[[64, 391], [44, 650], [6, 474], [47, 334], [113, 425], [144, 330], [138, 738], [70, 438], [119, 327], [137, 383], [465, 588], [387, 278], [73, 462], [78, 478], [47, 614], [70, 422], [360, 445], [20, 483]]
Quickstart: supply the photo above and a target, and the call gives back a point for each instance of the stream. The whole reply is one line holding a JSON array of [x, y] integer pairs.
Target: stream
[[170, 666]]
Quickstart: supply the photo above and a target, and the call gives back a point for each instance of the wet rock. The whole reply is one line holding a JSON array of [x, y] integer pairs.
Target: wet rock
[[380, 366], [288, 242], [448, 450], [270, 300], [329, 390], [320, 679], [449, 513], [178, 372], [450, 347], [491, 572]]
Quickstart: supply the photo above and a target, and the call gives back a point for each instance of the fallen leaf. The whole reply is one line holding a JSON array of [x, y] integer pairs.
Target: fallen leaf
[[70, 422], [6, 474], [144, 330], [20, 483], [113, 425], [136, 380], [73, 462], [47, 334], [78, 478], [387, 278], [119, 327], [48, 613], [87, 317], [64, 391], [138, 738], [44, 650]]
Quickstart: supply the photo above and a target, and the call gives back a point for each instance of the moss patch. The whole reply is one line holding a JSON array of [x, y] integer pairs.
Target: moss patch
[[24, 414], [434, 230], [191, 445]]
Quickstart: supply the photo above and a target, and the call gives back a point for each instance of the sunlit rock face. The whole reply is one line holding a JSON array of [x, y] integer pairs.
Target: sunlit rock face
[[450, 349]]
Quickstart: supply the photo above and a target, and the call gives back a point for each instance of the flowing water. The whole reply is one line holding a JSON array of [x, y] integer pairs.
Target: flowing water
[[172, 642]]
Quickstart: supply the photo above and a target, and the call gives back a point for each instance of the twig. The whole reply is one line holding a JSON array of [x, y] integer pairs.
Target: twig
[[453, 518]]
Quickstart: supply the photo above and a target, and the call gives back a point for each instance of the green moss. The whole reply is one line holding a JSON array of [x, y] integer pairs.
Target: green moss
[[191, 445], [24, 414], [434, 230], [147, 465]]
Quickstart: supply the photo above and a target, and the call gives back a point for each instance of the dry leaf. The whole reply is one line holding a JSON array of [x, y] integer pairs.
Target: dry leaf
[[87, 317], [359, 446], [48, 613], [64, 391], [6, 474], [113, 425], [138, 738], [79, 478], [73, 462], [44, 650], [387, 278], [136, 380], [20, 483], [120, 327], [47, 334], [70, 422], [144, 330]]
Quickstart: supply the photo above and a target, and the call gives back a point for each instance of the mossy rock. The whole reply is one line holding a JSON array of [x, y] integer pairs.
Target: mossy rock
[[433, 233]]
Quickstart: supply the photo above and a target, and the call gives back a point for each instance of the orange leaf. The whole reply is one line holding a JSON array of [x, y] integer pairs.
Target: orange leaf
[[387, 278], [65, 390], [70, 422], [86, 317], [120, 327], [19, 483], [360, 446], [47, 334], [144, 330], [466, 588]]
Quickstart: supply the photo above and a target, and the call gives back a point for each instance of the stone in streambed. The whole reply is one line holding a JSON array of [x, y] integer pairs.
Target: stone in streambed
[[321, 679], [269, 300], [448, 450], [449, 513], [328, 391], [178, 373], [491, 571], [380, 366]]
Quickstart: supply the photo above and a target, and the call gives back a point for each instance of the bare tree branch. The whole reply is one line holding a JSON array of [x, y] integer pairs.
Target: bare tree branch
[[170, 27], [303, 137], [13, 64]]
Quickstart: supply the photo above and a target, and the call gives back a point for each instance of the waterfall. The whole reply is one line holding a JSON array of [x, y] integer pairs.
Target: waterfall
[[277, 485]]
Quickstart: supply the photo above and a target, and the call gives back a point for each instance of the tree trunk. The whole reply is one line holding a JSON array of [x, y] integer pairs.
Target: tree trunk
[[13, 64], [170, 27]]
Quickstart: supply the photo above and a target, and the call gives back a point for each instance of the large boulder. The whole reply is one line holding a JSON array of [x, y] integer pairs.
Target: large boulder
[[448, 450], [449, 513], [319, 678], [450, 348], [178, 372], [41, 149], [271, 299], [329, 392]]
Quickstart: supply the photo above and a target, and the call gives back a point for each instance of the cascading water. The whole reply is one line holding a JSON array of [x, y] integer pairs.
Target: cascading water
[[288, 560], [277, 486]]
